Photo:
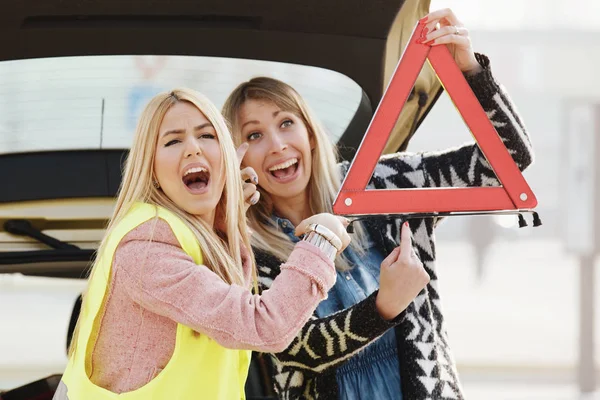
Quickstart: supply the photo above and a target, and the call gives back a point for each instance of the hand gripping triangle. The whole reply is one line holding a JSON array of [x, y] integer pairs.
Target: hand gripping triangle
[[354, 199]]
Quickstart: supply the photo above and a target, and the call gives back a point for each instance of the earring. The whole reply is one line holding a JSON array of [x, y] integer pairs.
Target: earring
[[155, 184]]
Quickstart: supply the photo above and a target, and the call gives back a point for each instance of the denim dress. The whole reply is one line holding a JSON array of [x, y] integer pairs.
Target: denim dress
[[372, 373]]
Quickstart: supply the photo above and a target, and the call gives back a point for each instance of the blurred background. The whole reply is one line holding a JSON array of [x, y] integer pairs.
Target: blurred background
[[513, 296], [520, 303]]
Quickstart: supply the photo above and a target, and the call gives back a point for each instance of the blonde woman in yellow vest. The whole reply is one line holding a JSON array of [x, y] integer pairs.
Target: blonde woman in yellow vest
[[169, 311]]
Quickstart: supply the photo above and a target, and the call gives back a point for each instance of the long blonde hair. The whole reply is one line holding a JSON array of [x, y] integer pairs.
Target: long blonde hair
[[324, 182], [222, 255]]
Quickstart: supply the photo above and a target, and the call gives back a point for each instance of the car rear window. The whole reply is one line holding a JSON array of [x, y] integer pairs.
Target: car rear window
[[93, 102]]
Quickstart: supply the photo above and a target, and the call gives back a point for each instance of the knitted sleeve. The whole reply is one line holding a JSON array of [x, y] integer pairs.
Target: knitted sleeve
[[464, 165], [324, 343], [159, 276]]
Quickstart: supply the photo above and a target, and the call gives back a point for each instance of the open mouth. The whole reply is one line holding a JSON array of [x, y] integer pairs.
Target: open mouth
[[196, 179], [285, 170]]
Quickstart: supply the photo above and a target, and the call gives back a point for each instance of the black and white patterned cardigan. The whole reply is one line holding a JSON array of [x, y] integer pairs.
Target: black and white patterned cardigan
[[306, 369]]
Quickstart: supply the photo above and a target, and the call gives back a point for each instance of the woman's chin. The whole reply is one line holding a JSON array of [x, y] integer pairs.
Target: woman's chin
[[203, 209], [290, 190]]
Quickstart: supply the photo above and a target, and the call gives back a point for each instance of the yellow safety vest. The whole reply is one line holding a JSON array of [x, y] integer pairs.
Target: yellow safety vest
[[199, 367]]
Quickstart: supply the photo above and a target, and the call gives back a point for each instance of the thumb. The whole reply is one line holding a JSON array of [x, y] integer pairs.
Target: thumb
[[345, 221], [301, 228]]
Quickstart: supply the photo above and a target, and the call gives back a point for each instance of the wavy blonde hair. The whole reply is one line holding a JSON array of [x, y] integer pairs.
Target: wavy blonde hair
[[221, 253], [324, 182]]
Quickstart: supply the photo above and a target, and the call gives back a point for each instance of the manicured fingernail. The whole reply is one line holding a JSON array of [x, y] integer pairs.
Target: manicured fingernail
[[255, 179], [254, 200]]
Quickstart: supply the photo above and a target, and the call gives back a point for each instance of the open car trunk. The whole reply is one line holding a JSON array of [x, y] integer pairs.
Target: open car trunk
[[52, 227]]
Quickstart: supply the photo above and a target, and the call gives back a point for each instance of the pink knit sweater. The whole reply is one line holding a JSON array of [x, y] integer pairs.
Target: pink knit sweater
[[156, 285]]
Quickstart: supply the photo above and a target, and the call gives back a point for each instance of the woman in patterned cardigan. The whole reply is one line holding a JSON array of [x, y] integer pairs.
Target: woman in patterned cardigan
[[363, 341]]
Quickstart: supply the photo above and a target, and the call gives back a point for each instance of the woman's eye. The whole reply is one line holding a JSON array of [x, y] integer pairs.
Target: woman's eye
[[287, 123], [207, 136], [171, 142], [253, 136]]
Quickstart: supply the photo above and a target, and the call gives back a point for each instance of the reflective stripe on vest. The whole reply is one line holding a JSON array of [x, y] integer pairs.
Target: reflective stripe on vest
[[199, 367]]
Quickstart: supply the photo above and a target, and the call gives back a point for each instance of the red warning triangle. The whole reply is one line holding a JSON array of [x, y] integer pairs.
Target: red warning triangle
[[353, 197]]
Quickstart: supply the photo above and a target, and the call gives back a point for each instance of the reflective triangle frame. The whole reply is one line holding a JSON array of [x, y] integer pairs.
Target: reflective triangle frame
[[354, 199]]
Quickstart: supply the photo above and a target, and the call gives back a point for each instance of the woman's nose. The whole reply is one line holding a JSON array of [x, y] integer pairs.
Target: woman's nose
[[193, 148], [278, 143]]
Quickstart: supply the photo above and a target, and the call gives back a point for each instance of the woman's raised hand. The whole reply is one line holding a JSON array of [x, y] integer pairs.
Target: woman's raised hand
[[443, 27]]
